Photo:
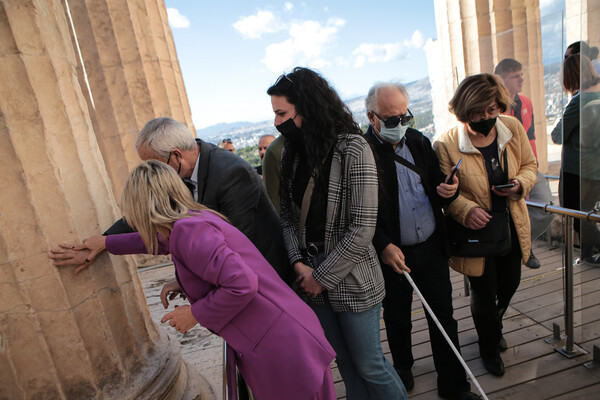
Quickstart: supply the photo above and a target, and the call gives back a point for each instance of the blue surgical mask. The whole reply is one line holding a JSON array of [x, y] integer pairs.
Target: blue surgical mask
[[392, 135]]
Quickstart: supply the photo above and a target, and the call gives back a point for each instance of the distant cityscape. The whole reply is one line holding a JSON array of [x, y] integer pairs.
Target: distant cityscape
[[246, 134]]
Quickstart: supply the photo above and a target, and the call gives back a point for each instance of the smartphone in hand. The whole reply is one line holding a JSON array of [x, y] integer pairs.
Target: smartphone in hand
[[502, 187], [451, 176]]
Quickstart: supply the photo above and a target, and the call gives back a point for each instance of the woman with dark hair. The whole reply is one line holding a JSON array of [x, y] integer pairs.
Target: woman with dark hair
[[495, 151], [582, 47], [328, 198], [578, 132]]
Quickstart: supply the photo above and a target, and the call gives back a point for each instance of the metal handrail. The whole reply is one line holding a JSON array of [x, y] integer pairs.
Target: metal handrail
[[591, 216], [552, 177], [568, 215]]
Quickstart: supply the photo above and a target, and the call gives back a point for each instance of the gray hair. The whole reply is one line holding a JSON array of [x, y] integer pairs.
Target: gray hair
[[371, 100], [162, 135]]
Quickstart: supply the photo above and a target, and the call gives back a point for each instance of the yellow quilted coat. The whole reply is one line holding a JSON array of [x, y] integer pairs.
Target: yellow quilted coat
[[474, 186]]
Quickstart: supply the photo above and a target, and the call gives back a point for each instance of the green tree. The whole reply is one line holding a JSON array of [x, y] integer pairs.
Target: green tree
[[250, 154]]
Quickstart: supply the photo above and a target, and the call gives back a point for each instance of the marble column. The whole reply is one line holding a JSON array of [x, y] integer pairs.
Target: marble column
[[181, 94], [480, 33], [133, 74], [64, 336], [581, 20]]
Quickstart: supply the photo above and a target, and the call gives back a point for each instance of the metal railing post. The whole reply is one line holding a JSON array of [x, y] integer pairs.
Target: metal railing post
[[570, 349], [568, 235]]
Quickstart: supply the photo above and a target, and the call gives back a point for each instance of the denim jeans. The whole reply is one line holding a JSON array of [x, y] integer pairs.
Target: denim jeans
[[355, 338]]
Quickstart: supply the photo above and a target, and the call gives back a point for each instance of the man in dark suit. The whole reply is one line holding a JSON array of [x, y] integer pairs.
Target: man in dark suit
[[218, 179], [410, 236]]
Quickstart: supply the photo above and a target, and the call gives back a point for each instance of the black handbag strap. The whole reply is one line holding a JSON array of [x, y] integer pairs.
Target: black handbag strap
[[412, 167], [505, 165], [423, 176]]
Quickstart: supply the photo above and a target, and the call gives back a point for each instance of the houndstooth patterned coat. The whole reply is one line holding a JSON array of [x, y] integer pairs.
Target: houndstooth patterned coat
[[350, 273]]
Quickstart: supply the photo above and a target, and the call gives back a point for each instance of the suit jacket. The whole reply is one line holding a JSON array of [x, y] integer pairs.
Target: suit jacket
[[278, 343], [229, 185], [388, 226]]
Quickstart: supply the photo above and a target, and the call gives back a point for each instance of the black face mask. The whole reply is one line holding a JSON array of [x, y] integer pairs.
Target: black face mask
[[289, 130], [484, 127]]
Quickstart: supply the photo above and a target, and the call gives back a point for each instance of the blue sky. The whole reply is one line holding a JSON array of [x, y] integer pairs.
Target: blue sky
[[231, 51]]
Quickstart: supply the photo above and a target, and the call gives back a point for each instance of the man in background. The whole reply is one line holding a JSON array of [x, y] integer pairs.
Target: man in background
[[511, 72], [272, 170], [263, 143], [227, 144]]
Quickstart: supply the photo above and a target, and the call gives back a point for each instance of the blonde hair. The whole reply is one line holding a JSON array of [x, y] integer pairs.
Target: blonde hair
[[477, 92], [154, 197]]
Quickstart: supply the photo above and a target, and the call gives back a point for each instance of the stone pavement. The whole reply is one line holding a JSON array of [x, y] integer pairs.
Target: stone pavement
[[199, 346]]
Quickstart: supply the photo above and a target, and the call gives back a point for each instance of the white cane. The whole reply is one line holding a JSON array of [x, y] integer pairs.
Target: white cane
[[464, 364]]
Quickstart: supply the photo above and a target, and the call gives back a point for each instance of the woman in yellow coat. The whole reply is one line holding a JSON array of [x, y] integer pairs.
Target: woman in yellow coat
[[481, 139]]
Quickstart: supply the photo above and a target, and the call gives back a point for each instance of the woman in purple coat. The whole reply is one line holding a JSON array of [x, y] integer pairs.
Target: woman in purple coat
[[274, 338]]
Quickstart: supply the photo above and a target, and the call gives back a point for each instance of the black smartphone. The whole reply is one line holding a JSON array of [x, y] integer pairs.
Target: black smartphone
[[453, 172], [502, 187]]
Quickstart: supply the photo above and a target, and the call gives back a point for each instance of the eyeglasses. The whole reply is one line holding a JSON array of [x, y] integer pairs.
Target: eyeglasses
[[393, 122], [226, 141], [282, 77]]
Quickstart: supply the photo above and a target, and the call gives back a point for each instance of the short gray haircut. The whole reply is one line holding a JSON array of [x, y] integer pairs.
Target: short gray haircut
[[162, 135], [371, 100], [267, 135]]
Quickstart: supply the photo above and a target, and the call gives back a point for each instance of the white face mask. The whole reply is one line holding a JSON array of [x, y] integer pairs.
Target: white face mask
[[392, 135]]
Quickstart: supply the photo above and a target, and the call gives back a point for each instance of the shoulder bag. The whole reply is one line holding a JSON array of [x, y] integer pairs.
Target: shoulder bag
[[492, 240]]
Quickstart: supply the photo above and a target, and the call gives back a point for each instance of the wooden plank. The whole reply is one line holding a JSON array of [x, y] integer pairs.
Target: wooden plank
[[561, 383], [586, 393]]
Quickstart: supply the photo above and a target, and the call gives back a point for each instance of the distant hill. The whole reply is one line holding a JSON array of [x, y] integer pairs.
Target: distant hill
[[220, 128], [244, 134]]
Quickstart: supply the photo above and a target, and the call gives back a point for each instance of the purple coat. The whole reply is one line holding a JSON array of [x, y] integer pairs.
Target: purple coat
[[279, 345]]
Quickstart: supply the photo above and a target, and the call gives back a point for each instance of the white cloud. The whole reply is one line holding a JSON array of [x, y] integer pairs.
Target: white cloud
[[288, 6], [415, 41], [307, 45], [176, 19], [254, 26], [376, 53]]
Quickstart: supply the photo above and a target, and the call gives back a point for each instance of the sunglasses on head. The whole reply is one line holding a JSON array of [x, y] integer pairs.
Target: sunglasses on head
[[283, 78], [393, 122], [226, 140]]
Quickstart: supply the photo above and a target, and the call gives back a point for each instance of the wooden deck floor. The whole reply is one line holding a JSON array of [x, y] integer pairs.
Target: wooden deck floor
[[534, 370]]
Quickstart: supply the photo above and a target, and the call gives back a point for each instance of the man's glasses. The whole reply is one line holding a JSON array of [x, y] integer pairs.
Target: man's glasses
[[226, 141], [393, 122]]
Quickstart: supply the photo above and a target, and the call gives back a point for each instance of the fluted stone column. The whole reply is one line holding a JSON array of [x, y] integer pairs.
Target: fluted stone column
[[64, 336], [181, 94], [581, 20], [133, 74], [478, 34]]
